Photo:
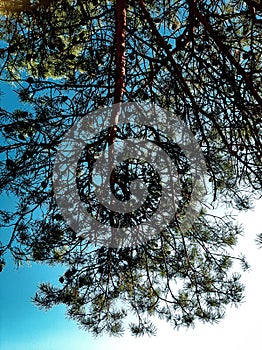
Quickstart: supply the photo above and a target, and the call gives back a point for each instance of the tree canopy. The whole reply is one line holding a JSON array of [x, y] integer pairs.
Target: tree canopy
[[198, 60]]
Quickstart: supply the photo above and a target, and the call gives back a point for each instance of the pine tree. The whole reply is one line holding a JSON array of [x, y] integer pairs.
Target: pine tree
[[198, 60]]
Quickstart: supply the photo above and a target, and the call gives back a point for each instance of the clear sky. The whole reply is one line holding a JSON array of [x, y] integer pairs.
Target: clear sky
[[24, 327]]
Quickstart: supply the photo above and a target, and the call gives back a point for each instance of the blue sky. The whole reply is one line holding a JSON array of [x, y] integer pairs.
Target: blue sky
[[24, 327]]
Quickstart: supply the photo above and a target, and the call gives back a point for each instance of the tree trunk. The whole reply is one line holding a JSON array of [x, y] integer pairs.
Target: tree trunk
[[120, 35]]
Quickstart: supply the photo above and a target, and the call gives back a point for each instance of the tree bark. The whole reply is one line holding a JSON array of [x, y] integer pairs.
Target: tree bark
[[120, 65], [120, 36]]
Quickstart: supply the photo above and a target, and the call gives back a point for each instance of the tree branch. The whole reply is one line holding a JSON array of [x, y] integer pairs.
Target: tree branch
[[254, 4], [225, 50], [186, 88]]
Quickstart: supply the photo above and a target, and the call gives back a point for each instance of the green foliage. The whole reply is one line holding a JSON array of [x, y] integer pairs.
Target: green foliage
[[60, 55]]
